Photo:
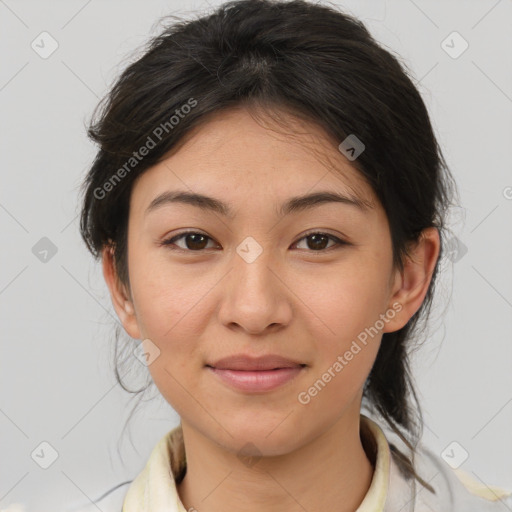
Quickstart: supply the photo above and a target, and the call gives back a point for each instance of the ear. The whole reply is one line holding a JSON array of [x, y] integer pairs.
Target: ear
[[411, 285], [121, 299]]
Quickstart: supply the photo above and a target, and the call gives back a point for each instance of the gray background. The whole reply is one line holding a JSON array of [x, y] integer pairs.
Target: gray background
[[57, 384]]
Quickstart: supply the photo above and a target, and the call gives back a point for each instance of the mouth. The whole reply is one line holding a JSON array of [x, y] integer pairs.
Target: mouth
[[250, 374], [257, 381]]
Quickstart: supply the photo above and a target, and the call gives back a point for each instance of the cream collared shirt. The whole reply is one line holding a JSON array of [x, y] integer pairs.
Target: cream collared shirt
[[154, 489]]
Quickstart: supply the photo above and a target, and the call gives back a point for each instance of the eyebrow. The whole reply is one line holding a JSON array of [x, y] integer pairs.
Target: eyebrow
[[294, 204]]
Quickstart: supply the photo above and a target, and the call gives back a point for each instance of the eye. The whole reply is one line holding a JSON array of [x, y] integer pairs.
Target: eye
[[193, 240], [317, 241], [197, 242]]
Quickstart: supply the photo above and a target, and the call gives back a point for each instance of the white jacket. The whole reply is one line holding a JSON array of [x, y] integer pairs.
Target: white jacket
[[154, 489]]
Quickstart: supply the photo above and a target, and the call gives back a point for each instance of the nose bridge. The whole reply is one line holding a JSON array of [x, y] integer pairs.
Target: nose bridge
[[255, 298], [252, 266]]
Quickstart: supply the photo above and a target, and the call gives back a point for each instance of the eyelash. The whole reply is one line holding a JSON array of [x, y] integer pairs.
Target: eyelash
[[170, 241]]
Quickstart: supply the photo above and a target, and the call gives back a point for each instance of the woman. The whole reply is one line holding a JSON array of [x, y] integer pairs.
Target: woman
[[269, 204]]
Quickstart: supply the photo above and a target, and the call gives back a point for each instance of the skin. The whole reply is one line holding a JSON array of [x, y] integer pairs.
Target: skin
[[294, 300]]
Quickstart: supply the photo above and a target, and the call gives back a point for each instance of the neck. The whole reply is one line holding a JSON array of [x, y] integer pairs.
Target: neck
[[332, 472]]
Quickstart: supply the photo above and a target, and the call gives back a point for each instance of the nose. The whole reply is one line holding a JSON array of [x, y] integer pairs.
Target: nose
[[255, 297]]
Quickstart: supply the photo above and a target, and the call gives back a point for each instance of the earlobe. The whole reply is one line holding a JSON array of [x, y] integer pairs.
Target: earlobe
[[411, 285], [120, 297]]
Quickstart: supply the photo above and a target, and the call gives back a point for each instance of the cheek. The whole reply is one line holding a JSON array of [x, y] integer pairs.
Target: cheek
[[172, 315], [343, 363], [346, 330], [345, 302], [169, 299], [173, 312]]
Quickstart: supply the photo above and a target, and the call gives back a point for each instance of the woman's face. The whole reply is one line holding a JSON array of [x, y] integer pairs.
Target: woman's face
[[257, 282]]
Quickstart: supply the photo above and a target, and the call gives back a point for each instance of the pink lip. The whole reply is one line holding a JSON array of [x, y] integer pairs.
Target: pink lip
[[255, 381]]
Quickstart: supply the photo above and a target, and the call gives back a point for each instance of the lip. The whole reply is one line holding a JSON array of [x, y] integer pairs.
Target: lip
[[256, 374], [258, 380]]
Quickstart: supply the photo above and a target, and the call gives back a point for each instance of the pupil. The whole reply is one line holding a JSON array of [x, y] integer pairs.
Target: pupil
[[195, 243], [316, 239]]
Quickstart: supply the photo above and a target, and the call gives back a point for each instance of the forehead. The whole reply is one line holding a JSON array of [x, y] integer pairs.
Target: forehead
[[235, 154]]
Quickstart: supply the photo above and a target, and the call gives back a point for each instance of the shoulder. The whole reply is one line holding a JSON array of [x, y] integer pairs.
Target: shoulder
[[454, 489]]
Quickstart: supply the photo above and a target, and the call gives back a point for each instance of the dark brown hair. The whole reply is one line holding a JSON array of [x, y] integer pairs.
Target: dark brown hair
[[298, 57]]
